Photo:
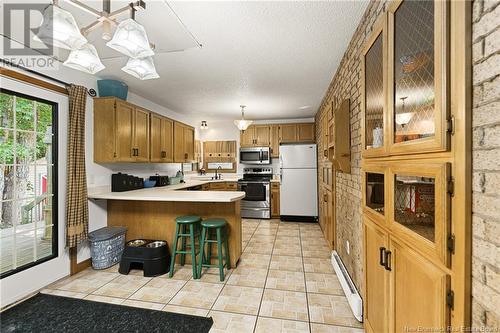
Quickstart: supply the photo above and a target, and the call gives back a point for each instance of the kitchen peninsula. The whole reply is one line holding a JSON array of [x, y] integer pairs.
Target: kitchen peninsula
[[150, 213]]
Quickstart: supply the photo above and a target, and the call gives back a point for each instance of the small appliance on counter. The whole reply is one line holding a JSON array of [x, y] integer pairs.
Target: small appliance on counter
[[121, 182], [160, 180]]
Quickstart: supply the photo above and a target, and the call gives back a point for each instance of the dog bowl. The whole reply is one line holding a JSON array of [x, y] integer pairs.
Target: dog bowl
[[156, 244], [136, 242]]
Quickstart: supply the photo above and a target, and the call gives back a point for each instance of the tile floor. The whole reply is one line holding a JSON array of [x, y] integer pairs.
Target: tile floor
[[284, 282]]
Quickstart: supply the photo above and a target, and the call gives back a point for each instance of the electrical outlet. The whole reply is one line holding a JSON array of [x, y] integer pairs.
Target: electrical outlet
[[347, 247]]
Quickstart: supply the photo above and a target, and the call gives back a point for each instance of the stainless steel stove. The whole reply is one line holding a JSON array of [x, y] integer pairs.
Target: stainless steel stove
[[256, 183]]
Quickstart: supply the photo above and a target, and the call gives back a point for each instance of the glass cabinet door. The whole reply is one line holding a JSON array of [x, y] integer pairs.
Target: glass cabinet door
[[420, 204], [417, 89], [374, 92], [374, 193]]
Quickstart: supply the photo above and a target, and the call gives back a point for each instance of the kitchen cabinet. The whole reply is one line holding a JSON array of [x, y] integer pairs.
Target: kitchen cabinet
[[375, 194], [256, 136], [162, 139], [327, 202], [219, 152], [305, 132], [296, 133], [247, 137], [275, 200], [275, 140], [121, 131], [288, 133], [341, 154], [183, 143]]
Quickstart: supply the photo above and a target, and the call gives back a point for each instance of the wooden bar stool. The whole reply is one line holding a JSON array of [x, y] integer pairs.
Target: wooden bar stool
[[220, 228], [186, 226]]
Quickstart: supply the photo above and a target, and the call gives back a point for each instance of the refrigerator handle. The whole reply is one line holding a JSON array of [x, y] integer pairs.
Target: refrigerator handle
[[281, 175]]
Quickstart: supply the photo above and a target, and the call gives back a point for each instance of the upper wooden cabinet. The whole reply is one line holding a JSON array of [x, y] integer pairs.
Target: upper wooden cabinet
[[291, 133], [183, 143], [273, 135], [340, 151], [162, 139], [247, 137], [288, 133], [262, 135], [275, 140], [121, 132]]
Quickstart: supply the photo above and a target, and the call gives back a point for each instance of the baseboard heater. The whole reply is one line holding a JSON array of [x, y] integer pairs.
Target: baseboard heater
[[353, 297]]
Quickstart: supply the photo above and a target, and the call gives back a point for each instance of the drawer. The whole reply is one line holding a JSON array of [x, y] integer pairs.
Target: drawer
[[233, 186], [217, 186], [275, 186]]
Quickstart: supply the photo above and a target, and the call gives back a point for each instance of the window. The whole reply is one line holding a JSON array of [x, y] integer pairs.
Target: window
[[28, 181]]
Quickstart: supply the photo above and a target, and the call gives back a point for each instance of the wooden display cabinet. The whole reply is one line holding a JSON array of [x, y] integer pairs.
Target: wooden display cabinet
[[375, 194]]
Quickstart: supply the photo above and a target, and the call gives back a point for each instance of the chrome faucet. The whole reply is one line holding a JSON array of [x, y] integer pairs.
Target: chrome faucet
[[219, 176]]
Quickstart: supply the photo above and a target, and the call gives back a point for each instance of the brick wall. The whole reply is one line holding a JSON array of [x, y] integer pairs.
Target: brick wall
[[486, 164], [347, 84], [486, 157]]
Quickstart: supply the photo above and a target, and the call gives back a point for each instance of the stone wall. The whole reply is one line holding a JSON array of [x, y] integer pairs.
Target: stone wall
[[486, 164], [347, 84]]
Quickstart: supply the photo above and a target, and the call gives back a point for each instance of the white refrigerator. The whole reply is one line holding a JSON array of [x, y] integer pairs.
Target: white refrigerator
[[299, 182]]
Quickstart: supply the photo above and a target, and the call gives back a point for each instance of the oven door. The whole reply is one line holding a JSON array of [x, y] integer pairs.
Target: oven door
[[257, 194]]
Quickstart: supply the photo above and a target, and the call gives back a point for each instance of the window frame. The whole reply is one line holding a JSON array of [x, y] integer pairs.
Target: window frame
[[55, 189]]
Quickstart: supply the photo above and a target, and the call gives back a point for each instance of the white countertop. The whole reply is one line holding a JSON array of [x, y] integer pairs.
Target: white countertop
[[170, 193]]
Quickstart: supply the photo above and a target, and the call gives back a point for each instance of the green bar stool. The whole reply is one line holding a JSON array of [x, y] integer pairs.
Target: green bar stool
[[220, 227], [186, 226]]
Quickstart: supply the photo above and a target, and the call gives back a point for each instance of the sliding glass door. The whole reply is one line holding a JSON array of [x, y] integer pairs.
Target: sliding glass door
[[28, 181]]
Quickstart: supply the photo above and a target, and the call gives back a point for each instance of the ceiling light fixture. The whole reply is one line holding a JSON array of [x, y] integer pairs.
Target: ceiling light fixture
[[204, 125], [59, 28], [403, 118], [143, 69], [85, 59], [243, 124]]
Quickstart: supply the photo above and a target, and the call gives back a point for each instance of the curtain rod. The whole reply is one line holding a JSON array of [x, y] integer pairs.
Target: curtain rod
[[91, 91]]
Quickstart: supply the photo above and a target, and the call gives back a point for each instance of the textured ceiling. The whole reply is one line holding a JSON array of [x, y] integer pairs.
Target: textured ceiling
[[276, 57]]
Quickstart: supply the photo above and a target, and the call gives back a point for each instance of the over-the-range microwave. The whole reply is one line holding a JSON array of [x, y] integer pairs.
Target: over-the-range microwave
[[255, 155]]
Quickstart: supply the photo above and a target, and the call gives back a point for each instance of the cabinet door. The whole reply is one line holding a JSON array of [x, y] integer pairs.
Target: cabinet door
[[104, 130], [417, 76], [189, 143], [262, 135], [141, 134], [179, 153], [155, 142], [305, 132], [288, 133], [329, 217], [275, 200], [247, 137], [419, 291], [124, 117], [167, 140], [376, 300], [275, 141]]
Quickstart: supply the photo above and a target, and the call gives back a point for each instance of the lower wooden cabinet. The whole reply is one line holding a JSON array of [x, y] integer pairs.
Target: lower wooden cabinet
[[275, 200], [404, 290], [220, 186], [327, 220]]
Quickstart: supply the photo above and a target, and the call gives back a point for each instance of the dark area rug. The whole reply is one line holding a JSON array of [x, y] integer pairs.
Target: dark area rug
[[47, 313]]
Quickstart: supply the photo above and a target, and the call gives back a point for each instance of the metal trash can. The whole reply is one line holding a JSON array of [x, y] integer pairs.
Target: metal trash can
[[106, 246]]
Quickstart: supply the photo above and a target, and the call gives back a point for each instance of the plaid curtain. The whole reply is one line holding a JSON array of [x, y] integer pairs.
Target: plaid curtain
[[77, 213]]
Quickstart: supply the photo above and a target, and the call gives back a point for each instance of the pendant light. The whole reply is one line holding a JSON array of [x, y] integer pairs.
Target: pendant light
[[143, 69], [204, 125], [130, 39], [59, 28], [243, 124], [85, 59]]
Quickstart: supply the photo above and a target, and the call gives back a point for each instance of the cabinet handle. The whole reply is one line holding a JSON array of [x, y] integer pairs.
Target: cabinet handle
[[163, 154], [325, 197], [186, 156], [387, 259], [382, 254], [325, 153], [137, 152], [133, 152]]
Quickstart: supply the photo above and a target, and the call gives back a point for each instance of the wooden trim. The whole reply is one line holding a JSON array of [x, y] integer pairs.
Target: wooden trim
[[32, 80], [75, 266]]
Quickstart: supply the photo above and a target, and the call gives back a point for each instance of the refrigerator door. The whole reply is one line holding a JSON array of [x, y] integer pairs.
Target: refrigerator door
[[298, 156], [298, 192]]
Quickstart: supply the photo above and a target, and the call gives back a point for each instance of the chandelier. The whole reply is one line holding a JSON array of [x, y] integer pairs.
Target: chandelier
[[242, 124], [60, 29]]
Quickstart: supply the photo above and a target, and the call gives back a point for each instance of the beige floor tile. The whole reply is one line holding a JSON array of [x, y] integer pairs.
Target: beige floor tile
[[182, 272], [318, 265], [311, 233], [104, 299], [288, 233], [322, 328], [280, 238], [284, 304], [287, 249], [321, 252], [211, 275], [63, 293], [259, 248], [263, 239], [144, 305], [318, 241], [123, 286], [285, 280], [84, 282], [186, 310], [239, 299], [267, 325], [331, 309], [225, 322], [323, 283], [158, 290], [286, 263], [252, 260], [197, 294], [248, 277]]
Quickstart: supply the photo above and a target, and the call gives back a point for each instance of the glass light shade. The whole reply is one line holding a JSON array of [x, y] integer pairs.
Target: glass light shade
[[59, 28], [403, 118], [130, 39], [204, 125], [143, 69], [85, 59], [243, 124]]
